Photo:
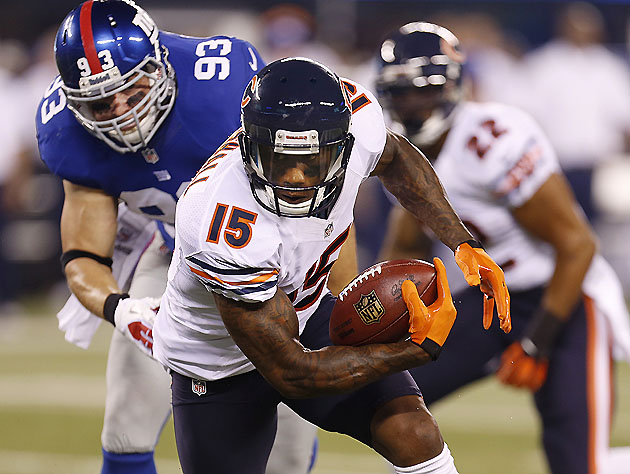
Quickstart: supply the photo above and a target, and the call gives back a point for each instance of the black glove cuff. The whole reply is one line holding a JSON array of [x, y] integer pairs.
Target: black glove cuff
[[430, 347], [541, 334], [473, 243], [109, 308]]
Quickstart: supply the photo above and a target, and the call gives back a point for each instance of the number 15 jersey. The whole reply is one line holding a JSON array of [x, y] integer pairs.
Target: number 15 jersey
[[229, 244]]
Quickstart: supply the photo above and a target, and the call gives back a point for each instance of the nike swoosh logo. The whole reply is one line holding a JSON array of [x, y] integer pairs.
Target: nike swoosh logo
[[254, 62]]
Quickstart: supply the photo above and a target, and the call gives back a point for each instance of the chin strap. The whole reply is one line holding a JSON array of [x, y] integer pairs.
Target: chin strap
[[432, 129]]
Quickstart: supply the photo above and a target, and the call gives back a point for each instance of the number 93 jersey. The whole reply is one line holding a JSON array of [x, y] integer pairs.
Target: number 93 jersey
[[228, 243], [211, 75]]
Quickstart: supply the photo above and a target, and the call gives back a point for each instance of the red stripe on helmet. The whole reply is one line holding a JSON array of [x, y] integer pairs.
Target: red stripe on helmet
[[87, 38]]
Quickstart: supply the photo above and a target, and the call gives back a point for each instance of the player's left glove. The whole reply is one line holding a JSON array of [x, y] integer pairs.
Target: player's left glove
[[480, 269], [524, 363], [430, 326], [134, 318]]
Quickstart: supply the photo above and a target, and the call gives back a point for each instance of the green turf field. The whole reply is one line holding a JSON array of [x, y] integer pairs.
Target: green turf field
[[52, 395]]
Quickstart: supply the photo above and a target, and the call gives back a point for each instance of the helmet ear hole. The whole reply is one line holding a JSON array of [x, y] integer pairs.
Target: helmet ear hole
[[297, 109]]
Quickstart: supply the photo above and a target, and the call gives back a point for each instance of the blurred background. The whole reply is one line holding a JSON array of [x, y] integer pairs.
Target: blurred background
[[568, 64]]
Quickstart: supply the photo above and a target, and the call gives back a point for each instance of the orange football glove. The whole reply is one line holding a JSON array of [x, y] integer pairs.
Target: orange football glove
[[524, 363], [480, 269], [429, 326], [521, 370]]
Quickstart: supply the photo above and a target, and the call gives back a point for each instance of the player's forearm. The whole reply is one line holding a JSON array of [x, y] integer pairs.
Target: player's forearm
[[338, 369], [565, 287], [91, 282], [411, 178], [267, 333]]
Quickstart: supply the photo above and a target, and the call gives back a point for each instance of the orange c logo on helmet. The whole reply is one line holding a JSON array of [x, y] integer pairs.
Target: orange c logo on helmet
[[252, 88], [451, 52]]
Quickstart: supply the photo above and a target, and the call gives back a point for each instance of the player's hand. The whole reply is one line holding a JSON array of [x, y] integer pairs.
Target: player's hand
[[525, 363], [480, 269], [520, 369], [430, 326], [135, 318]]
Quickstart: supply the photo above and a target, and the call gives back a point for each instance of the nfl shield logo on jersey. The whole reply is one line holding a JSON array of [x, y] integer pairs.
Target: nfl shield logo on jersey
[[329, 230], [199, 387], [150, 155]]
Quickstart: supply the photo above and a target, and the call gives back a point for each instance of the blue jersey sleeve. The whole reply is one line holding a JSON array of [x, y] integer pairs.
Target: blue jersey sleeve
[[62, 141]]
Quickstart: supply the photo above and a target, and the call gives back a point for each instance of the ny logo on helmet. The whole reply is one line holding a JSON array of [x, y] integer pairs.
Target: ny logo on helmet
[[146, 23]]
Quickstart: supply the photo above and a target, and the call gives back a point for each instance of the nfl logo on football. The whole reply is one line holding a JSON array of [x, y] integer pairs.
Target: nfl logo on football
[[199, 387], [369, 308]]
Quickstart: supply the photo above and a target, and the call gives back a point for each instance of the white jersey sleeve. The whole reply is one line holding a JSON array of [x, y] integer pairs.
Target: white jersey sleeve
[[222, 251], [494, 159], [368, 128], [249, 284], [523, 162]]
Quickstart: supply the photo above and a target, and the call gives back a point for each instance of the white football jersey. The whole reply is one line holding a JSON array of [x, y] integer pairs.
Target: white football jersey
[[227, 243], [494, 159]]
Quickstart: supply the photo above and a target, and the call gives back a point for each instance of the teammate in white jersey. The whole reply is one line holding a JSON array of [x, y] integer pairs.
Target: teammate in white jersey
[[503, 179], [243, 323]]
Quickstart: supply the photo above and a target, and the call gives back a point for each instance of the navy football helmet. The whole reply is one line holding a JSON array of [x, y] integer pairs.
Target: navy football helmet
[[420, 79], [296, 141], [110, 47]]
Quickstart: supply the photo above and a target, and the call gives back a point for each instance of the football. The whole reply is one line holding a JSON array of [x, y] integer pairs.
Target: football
[[371, 310]]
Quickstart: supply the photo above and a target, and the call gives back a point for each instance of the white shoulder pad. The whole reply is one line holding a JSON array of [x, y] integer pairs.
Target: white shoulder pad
[[228, 242], [505, 150], [368, 128]]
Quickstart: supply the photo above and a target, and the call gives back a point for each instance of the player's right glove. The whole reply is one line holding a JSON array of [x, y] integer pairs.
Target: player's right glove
[[134, 318], [479, 269], [524, 363], [430, 326]]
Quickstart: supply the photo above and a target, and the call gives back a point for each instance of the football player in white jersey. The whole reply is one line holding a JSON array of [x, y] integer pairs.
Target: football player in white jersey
[[503, 179], [243, 323], [133, 115]]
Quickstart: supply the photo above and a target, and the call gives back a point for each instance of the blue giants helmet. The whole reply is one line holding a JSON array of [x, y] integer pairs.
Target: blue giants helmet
[[296, 115], [421, 57], [109, 47]]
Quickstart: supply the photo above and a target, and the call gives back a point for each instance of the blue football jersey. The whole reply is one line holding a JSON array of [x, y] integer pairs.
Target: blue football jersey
[[206, 112]]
